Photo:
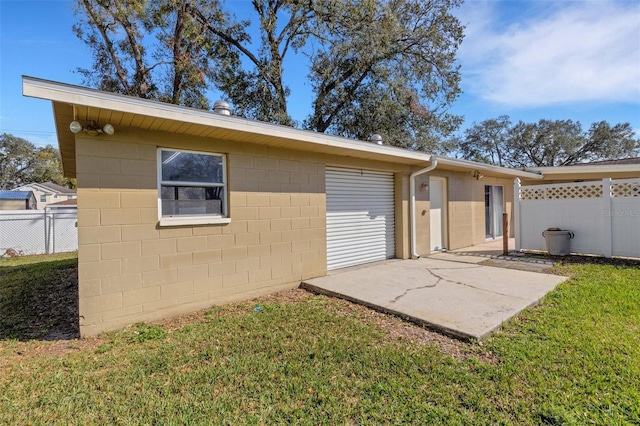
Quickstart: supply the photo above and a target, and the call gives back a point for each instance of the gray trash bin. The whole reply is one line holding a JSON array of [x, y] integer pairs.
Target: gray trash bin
[[558, 241]]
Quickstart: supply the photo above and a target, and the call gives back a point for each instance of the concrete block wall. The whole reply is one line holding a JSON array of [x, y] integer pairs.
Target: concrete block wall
[[131, 269], [466, 215], [464, 203], [423, 236]]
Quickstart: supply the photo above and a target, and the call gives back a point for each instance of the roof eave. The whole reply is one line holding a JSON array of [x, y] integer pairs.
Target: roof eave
[[60, 93], [489, 169], [63, 95], [581, 169]]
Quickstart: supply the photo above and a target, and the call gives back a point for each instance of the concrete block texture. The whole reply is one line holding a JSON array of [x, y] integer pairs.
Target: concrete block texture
[[133, 269]]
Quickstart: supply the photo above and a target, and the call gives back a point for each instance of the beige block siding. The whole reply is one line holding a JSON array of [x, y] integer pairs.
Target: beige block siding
[[423, 236], [133, 270], [401, 193], [464, 199], [466, 215]]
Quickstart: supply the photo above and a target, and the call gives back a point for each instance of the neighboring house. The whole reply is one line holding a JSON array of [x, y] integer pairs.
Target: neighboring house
[[47, 193], [181, 209], [66, 206], [17, 200]]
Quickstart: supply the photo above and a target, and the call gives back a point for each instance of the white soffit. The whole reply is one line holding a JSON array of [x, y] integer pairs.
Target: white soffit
[[74, 95], [302, 139]]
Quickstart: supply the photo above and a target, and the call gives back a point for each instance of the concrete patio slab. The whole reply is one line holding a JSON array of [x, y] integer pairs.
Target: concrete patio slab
[[491, 254], [465, 300]]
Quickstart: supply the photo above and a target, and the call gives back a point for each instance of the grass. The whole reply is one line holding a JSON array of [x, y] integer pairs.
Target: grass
[[39, 297], [573, 359]]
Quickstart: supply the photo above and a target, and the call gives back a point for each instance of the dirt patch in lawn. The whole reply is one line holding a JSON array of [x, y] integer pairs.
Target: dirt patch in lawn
[[39, 301], [44, 321], [394, 330]]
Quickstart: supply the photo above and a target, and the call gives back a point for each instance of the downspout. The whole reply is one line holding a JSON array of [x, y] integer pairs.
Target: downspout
[[412, 203]]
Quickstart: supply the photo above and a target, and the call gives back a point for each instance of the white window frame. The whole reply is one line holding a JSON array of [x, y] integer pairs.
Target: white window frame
[[209, 219]]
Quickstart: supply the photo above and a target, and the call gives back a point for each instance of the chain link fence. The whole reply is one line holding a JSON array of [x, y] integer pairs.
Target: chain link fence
[[27, 232]]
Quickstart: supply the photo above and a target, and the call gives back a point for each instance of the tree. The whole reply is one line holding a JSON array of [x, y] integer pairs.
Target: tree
[[389, 66], [547, 143], [385, 66], [175, 67], [256, 85], [487, 142], [21, 162]]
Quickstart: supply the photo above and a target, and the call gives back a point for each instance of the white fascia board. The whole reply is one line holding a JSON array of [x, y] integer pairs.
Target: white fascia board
[[580, 169], [472, 165], [74, 95]]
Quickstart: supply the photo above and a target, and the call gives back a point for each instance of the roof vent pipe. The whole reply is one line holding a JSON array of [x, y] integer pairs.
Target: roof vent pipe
[[412, 203], [376, 138], [222, 108]]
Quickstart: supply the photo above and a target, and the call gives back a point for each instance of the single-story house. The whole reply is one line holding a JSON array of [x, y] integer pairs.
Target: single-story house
[[180, 209], [17, 200], [48, 192]]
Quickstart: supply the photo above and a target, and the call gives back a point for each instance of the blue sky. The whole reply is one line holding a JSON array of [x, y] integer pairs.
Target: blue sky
[[577, 60]]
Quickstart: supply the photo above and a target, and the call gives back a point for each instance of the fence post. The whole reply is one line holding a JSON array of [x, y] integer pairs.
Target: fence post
[[516, 212], [505, 234], [46, 231], [52, 226], [607, 218]]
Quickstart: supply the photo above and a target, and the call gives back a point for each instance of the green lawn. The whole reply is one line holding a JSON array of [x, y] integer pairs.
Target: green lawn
[[39, 297], [573, 359]]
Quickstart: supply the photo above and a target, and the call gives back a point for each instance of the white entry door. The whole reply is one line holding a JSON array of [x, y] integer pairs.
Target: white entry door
[[438, 212]]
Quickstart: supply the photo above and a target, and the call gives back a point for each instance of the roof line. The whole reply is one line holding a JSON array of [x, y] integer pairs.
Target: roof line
[[62, 92], [596, 168], [489, 168], [76, 95]]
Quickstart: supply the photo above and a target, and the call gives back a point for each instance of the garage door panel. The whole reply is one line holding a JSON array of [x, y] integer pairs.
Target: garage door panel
[[360, 217]]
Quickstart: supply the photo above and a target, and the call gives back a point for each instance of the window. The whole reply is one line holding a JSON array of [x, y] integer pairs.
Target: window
[[192, 188], [43, 198]]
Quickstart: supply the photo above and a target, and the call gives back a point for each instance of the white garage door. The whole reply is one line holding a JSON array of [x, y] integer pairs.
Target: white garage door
[[360, 217]]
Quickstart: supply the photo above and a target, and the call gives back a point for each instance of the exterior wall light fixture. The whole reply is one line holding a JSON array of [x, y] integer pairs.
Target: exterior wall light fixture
[[91, 129], [476, 174]]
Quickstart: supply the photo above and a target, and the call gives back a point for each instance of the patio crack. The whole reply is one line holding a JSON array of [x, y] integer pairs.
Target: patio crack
[[469, 285], [415, 288], [440, 278]]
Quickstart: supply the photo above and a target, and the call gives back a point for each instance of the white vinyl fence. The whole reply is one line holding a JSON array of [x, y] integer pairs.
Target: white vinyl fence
[[603, 215], [26, 232]]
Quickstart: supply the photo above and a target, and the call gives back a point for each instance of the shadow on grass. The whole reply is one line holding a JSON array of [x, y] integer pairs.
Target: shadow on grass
[[39, 299]]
